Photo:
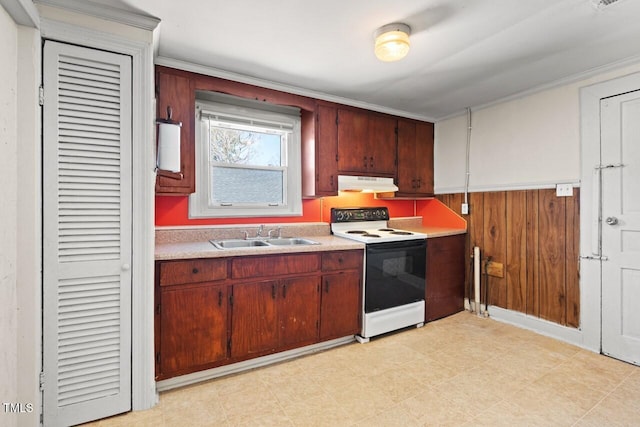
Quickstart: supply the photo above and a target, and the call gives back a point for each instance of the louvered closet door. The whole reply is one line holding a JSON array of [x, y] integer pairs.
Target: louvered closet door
[[87, 234]]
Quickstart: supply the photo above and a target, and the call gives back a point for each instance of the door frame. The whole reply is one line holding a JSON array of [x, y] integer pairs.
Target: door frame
[[144, 394], [591, 270]]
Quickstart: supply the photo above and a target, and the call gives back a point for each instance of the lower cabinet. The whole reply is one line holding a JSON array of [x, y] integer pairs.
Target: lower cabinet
[[341, 310], [341, 294], [444, 293], [193, 327], [274, 314], [213, 312]]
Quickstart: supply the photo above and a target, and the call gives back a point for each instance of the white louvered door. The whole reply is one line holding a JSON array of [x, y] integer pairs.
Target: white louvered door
[[87, 206]]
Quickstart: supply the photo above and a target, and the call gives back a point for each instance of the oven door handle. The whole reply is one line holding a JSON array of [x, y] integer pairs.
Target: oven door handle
[[402, 245]]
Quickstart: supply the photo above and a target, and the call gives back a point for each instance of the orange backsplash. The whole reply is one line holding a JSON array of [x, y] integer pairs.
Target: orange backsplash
[[174, 211]]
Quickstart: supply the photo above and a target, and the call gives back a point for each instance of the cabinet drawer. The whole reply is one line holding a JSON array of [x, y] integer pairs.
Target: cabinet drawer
[[192, 271], [342, 260], [247, 267]]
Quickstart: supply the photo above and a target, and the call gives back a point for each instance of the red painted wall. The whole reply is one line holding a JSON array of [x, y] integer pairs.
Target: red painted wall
[[174, 210]]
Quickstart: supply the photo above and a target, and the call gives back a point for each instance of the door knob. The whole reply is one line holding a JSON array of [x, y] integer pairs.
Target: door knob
[[612, 220], [126, 267]]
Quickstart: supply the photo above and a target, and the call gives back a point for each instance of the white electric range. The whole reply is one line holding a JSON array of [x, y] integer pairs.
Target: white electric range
[[394, 270]]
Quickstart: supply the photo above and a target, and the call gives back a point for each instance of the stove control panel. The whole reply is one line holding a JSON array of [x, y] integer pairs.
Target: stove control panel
[[359, 214]]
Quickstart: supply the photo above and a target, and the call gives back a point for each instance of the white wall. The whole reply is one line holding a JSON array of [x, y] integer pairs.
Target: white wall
[[19, 220], [29, 222], [528, 142], [8, 215]]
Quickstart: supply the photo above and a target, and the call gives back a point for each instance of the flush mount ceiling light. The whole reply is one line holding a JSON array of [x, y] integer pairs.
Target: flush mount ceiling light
[[392, 42]]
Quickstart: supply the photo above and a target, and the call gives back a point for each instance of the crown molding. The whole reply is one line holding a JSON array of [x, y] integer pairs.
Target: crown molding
[[127, 17], [241, 78], [23, 12]]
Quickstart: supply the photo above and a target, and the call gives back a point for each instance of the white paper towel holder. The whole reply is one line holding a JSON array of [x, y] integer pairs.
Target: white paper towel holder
[[169, 142]]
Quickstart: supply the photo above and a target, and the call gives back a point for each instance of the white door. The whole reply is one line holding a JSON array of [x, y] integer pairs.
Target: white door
[[620, 175], [86, 234]]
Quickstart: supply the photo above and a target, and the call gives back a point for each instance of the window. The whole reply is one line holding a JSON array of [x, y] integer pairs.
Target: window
[[247, 159]]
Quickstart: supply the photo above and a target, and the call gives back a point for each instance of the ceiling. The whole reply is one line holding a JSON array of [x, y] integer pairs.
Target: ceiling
[[463, 53]]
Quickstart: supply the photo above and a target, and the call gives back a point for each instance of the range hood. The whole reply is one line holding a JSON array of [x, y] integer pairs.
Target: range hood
[[366, 184]]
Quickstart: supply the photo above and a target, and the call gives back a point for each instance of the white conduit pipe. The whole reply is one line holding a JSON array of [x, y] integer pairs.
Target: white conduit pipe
[[476, 278]]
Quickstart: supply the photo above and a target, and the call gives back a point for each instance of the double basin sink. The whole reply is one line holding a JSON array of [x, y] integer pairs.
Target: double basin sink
[[253, 243]]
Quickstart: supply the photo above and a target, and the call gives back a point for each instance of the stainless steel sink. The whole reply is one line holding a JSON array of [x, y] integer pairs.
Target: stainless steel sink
[[237, 243], [284, 241], [250, 243]]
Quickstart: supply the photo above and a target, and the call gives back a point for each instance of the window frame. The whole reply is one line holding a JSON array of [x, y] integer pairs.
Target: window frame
[[200, 203]]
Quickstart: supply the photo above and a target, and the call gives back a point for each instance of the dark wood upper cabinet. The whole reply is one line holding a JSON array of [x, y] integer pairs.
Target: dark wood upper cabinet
[[415, 158], [382, 144], [335, 138], [173, 89], [366, 142], [353, 136], [320, 151]]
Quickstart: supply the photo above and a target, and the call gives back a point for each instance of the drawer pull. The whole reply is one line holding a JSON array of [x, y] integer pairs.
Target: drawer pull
[[219, 298], [273, 291], [195, 270], [284, 291]]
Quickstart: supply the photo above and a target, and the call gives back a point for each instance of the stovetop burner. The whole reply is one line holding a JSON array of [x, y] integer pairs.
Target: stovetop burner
[[368, 225]]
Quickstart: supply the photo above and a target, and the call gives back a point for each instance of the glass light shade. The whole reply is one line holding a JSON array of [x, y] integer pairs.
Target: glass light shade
[[392, 42]]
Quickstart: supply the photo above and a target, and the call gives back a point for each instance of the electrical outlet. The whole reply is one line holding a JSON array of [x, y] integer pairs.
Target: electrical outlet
[[465, 209], [564, 190]]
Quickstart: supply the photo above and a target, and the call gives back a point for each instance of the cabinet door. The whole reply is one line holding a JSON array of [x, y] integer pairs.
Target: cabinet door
[[444, 294], [406, 157], [381, 146], [353, 137], [326, 151], [340, 310], [174, 90], [424, 157], [298, 311], [193, 329], [254, 318], [415, 158]]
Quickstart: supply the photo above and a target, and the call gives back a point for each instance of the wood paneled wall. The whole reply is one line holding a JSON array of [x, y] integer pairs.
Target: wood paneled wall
[[535, 235]]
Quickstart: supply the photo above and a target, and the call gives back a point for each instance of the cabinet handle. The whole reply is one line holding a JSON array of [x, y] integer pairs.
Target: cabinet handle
[[340, 260], [195, 270], [419, 182], [413, 183], [326, 286], [371, 162], [284, 291], [273, 291], [365, 161], [219, 298]]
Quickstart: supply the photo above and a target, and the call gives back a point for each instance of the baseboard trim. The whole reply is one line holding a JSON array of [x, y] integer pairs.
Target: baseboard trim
[[541, 326], [246, 365]]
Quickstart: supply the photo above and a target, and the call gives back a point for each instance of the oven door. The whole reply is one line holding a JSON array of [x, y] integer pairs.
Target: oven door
[[394, 274]]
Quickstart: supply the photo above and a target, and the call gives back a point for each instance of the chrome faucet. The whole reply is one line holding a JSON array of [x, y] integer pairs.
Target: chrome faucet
[[277, 230], [258, 233]]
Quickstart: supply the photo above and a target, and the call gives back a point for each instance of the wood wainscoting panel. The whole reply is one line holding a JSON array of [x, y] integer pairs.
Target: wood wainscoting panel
[[572, 259], [551, 247], [495, 244], [516, 262], [536, 235], [533, 259]]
